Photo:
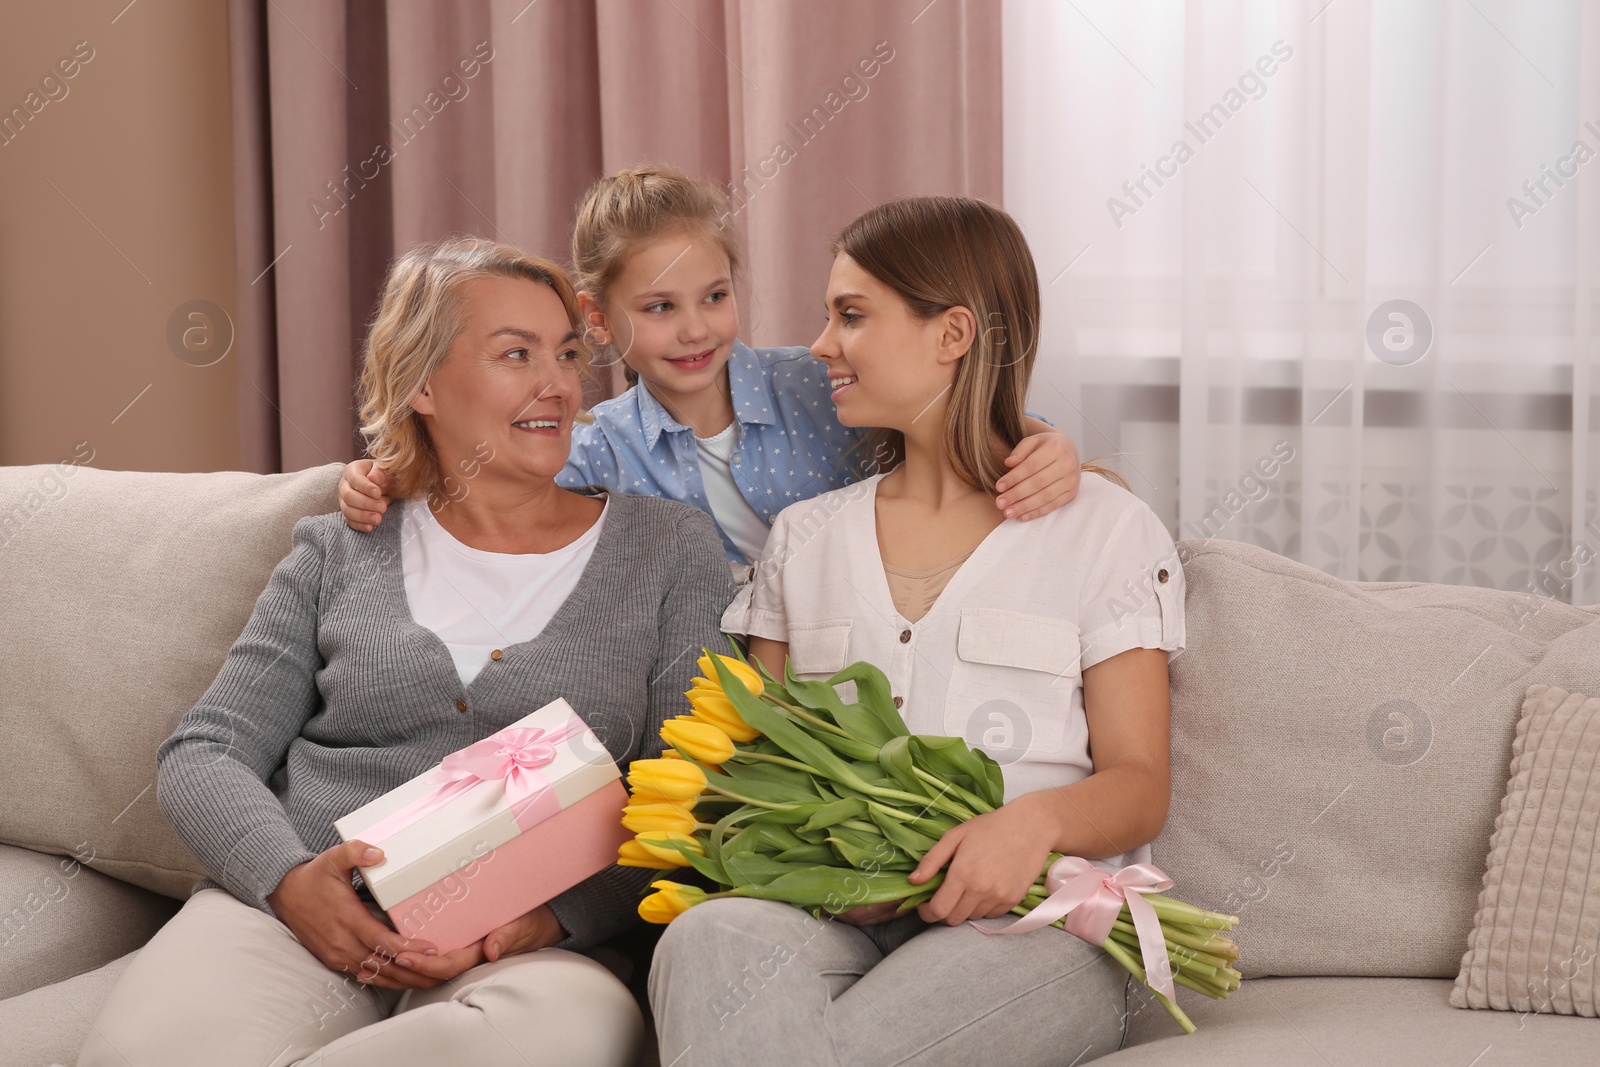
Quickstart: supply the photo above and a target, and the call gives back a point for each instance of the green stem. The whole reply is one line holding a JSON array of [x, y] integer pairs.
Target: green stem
[[955, 811], [801, 713], [978, 804], [747, 800], [1199, 987], [766, 757], [1132, 965], [1175, 949], [1188, 914], [921, 823]]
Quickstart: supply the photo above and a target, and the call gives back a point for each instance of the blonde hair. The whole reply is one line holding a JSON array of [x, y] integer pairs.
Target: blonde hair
[[632, 207], [940, 252], [418, 320]]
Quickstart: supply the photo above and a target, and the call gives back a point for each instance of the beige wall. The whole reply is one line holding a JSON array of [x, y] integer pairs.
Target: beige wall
[[140, 146]]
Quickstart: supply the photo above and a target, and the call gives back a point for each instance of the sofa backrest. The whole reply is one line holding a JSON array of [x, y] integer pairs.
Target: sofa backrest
[[1340, 750], [123, 593]]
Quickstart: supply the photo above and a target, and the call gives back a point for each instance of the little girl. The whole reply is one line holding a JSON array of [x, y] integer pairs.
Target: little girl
[[739, 433]]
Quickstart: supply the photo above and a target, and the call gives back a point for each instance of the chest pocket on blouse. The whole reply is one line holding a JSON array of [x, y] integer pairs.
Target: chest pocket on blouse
[[819, 648], [1012, 683]]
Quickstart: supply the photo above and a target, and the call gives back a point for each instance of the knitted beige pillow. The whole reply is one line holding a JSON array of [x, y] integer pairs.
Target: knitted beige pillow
[[1533, 947]]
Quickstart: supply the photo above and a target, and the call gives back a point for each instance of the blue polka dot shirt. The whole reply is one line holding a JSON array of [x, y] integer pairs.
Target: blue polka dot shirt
[[790, 444]]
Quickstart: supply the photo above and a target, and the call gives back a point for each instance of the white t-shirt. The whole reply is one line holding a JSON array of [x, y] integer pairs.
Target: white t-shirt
[[998, 659], [743, 524], [479, 602]]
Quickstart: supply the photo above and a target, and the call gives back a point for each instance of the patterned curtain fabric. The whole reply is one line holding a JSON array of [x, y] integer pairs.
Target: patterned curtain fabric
[[1321, 276], [363, 128]]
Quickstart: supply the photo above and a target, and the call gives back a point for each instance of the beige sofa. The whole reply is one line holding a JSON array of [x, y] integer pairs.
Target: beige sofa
[[1339, 754]]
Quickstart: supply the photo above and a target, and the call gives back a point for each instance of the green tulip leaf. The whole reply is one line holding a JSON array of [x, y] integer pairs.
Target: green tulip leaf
[[836, 812], [872, 692], [797, 742], [901, 835], [811, 854], [834, 888]]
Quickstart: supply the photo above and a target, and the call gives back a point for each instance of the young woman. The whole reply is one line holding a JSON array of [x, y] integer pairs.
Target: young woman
[[1045, 642], [370, 658]]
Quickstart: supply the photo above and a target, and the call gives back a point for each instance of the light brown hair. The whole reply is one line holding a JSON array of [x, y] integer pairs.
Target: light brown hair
[[418, 320], [940, 252], [632, 207]]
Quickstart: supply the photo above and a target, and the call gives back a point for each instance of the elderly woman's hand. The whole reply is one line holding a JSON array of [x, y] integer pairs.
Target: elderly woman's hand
[[537, 929], [319, 905]]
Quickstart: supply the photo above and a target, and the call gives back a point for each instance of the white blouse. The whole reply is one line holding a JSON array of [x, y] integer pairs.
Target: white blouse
[[998, 659]]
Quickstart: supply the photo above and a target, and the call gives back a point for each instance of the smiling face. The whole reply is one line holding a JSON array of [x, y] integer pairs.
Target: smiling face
[[671, 313], [889, 369], [510, 382]]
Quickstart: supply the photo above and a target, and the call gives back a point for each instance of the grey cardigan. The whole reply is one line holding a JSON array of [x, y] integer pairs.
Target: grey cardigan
[[334, 695]]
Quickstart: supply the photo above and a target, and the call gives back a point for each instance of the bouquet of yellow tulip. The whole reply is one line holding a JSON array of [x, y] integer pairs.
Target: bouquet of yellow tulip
[[783, 791]]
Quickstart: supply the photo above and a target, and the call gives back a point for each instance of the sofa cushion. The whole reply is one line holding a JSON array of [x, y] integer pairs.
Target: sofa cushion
[[48, 1025], [1269, 1022], [124, 593], [1339, 750], [1534, 943], [64, 918]]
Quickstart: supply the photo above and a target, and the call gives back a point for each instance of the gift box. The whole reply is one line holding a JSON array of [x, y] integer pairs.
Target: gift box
[[495, 830]]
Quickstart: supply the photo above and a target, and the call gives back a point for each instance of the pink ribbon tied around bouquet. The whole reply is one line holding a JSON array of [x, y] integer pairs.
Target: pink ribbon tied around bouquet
[[512, 756], [1091, 900]]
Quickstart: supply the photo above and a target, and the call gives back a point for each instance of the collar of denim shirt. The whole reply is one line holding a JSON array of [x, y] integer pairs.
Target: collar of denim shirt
[[748, 381]]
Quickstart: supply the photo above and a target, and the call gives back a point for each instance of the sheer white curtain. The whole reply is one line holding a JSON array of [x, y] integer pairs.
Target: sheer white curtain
[[1227, 199]]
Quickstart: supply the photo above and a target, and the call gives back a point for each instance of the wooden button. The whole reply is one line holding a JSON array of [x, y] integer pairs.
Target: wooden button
[[496, 654], [899, 702], [461, 705], [1161, 575], [905, 637]]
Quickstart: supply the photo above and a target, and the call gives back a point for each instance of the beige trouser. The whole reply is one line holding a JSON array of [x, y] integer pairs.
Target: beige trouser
[[226, 984]]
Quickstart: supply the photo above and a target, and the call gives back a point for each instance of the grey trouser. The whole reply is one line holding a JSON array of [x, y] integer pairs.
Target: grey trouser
[[226, 984], [738, 982]]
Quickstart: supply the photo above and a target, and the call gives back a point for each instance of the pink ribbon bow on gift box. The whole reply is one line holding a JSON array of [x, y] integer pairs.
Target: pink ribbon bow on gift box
[[512, 756], [1091, 900]]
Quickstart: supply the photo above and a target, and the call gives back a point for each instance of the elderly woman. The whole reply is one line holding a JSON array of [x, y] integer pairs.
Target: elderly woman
[[369, 658]]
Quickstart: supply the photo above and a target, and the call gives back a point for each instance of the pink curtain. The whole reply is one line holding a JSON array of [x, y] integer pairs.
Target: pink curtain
[[364, 128]]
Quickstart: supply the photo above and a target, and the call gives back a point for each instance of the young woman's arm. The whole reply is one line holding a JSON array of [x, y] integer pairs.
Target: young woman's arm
[[994, 858], [771, 654]]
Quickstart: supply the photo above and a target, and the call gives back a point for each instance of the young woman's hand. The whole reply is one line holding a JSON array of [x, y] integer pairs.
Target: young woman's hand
[[994, 859], [537, 929], [319, 905], [362, 499], [1044, 476]]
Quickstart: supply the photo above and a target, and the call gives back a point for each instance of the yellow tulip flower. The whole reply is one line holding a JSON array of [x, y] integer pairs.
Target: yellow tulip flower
[[633, 854], [666, 779], [639, 817], [655, 843], [705, 742], [713, 706], [742, 671], [670, 900]]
